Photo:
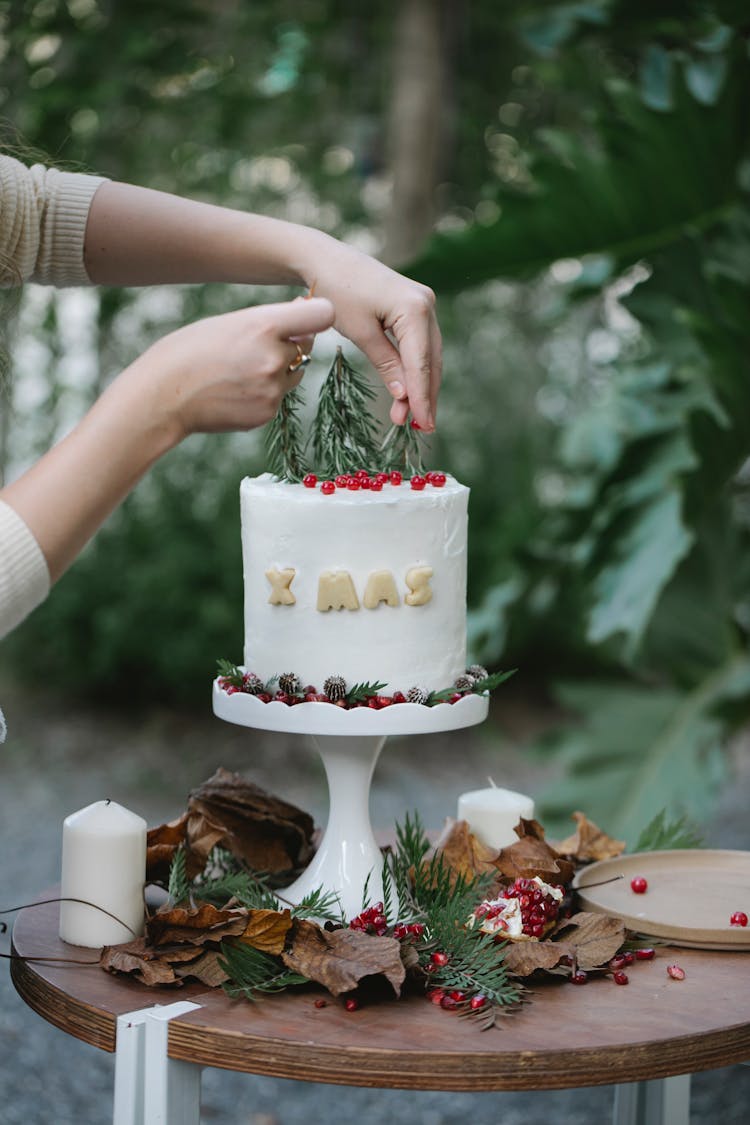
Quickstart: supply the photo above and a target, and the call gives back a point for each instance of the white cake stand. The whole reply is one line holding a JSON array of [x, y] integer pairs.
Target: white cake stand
[[348, 862]]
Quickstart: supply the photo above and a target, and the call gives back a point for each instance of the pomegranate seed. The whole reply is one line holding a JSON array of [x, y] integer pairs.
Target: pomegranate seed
[[629, 957], [477, 1002], [396, 477], [619, 977], [439, 958], [351, 1004], [327, 487], [430, 967], [639, 885], [645, 954], [739, 918], [321, 1003], [675, 972], [309, 480], [457, 995], [578, 977], [617, 961], [448, 1003], [436, 995]]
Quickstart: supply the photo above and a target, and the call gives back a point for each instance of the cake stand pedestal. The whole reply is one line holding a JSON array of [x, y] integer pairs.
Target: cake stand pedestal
[[348, 862]]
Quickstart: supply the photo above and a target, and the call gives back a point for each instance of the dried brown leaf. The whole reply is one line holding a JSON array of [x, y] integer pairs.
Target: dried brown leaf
[[594, 938], [137, 960], [340, 959], [205, 968], [161, 844], [531, 855], [524, 957], [463, 852], [266, 930], [588, 842], [195, 925]]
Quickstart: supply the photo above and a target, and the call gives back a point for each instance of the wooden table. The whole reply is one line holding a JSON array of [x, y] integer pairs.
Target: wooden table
[[637, 1037]]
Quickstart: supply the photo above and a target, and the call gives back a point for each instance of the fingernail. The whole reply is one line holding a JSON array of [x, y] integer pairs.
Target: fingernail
[[396, 389]]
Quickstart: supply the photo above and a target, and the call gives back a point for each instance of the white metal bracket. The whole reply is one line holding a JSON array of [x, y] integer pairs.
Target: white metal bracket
[[151, 1088]]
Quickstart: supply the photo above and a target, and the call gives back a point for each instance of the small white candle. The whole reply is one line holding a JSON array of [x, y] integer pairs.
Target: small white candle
[[103, 862], [492, 814]]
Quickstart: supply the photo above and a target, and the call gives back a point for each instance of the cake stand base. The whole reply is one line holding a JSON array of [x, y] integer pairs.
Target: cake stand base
[[348, 863]]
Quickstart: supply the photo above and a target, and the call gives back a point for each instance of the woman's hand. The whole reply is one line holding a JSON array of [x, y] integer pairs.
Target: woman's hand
[[392, 319], [228, 372]]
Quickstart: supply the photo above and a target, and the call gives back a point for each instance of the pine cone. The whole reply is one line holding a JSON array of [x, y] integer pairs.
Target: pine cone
[[464, 683], [252, 684], [290, 683], [478, 672], [417, 695], [335, 688]]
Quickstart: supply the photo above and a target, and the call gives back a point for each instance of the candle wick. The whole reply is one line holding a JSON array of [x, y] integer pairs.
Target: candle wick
[[492, 783], [107, 800]]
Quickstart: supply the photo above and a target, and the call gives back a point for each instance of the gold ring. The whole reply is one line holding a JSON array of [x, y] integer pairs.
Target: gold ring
[[302, 360]]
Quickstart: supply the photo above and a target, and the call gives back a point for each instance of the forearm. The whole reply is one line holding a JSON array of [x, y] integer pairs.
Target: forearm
[[136, 236], [70, 491]]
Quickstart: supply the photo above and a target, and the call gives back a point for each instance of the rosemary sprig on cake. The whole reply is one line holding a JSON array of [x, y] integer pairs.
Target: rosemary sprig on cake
[[344, 431]]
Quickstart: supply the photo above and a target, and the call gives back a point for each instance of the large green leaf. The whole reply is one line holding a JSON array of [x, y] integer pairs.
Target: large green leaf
[[637, 750], [638, 182]]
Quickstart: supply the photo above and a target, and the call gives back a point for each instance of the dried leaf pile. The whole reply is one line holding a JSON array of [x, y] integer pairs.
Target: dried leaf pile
[[224, 926]]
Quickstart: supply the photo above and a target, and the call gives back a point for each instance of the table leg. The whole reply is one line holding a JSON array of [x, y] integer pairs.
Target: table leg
[[151, 1088], [665, 1101]]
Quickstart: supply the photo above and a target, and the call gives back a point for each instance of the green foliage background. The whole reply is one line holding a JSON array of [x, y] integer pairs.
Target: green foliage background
[[592, 263]]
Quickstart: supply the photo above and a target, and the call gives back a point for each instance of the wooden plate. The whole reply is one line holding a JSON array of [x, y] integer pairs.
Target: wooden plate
[[691, 895]]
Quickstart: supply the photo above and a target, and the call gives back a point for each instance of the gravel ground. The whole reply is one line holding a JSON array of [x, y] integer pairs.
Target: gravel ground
[[58, 759]]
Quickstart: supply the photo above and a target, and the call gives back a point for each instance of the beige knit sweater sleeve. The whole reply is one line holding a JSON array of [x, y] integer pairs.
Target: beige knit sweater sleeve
[[43, 216]]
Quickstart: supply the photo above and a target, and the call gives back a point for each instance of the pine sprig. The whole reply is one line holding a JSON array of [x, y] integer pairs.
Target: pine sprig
[[320, 905], [179, 886], [251, 972], [229, 672], [401, 449], [360, 692], [662, 835], [489, 683], [284, 439], [344, 434]]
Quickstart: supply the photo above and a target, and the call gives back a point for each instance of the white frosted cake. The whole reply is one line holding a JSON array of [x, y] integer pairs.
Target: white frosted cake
[[369, 585]]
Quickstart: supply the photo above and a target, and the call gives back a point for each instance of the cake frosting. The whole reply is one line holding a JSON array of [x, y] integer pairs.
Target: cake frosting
[[363, 584]]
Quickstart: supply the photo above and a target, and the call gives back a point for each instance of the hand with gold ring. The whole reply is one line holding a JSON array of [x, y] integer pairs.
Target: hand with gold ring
[[301, 360]]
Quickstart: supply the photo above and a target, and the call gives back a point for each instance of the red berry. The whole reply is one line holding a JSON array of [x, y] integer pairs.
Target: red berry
[[351, 1004], [645, 954], [439, 958], [578, 977], [362, 474], [415, 424], [739, 918], [282, 697], [438, 480], [353, 484], [365, 482], [309, 480], [381, 478], [384, 700], [675, 972], [342, 481], [418, 483], [232, 690], [639, 885], [376, 486], [328, 487], [396, 477], [399, 697], [373, 704], [264, 697], [619, 977], [455, 697], [321, 1003]]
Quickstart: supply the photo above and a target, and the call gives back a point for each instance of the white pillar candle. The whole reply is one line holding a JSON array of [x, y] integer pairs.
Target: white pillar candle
[[492, 814], [103, 862]]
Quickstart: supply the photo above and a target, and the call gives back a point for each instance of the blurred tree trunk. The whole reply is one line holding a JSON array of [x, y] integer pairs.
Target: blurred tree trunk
[[416, 132]]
